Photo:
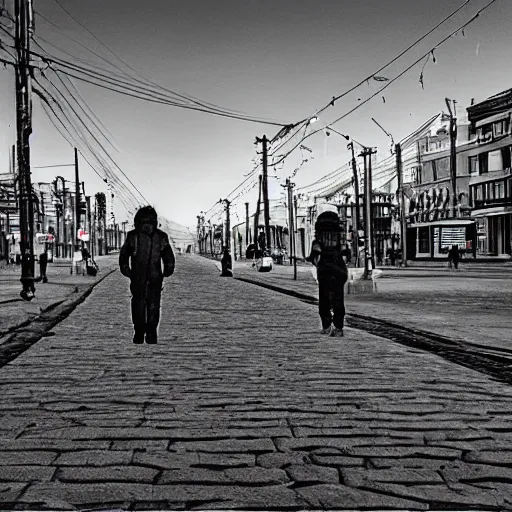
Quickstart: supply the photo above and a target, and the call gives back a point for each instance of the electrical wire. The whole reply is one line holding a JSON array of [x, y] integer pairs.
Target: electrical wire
[[375, 73], [95, 139], [112, 177], [146, 81], [390, 82], [139, 94]]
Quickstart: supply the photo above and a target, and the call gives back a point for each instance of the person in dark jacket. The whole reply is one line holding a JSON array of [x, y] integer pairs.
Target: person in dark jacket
[[453, 256], [332, 274], [226, 264], [141, 257]]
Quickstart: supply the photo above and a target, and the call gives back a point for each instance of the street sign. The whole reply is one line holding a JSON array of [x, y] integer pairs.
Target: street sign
[[83, 235]]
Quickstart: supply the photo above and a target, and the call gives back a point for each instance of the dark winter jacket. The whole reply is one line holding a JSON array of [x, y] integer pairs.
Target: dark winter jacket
[[142, 255], [328, 260]]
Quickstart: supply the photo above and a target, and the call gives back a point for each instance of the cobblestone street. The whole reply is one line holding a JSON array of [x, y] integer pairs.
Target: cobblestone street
[[243, 404]]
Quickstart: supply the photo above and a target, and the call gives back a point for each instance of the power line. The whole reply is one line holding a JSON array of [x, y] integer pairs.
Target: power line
[[139, 94], [147, 80], [388, 83]]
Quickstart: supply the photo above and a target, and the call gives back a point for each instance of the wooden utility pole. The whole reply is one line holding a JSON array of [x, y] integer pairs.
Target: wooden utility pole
[[77, 203], [227, 203], [24, 17], [403, 220], [257, 215], [211, 237], [368, 212], [264, 142], [357, 212], [453, 154], [247, 230], [89, 226], [291, 226]]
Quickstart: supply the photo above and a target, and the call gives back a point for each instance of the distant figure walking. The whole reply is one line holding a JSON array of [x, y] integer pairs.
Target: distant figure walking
[[226, 264], [140, 259], [453, 257], [332, 274]]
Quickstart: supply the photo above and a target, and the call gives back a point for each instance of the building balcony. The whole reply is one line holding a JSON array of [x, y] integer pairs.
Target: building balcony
[[490, 203]]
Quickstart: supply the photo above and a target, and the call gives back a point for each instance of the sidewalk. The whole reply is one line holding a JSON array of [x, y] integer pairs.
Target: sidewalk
[[243, 405], [61, 285], [472, 307]]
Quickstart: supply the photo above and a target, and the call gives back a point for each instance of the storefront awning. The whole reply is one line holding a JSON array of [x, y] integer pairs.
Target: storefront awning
[[441, 223], [491, 212]]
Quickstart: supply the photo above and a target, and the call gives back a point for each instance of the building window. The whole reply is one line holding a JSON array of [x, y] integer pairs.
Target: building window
[[483, 163], [442, 167], [424, 240], [506, 157], [499, 128], [429, 173], [499, 190], [473, 165]]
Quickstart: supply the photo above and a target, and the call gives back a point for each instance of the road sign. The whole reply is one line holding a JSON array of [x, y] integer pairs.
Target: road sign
[[83, 235]]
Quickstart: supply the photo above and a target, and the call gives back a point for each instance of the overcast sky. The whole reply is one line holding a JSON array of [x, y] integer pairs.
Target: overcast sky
[[278, 59]]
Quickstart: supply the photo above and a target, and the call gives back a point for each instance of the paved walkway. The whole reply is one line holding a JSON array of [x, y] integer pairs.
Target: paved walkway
[[243, 404], [14, 311], [474, 306]]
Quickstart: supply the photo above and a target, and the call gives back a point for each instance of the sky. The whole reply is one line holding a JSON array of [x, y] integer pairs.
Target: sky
[[278, 60]]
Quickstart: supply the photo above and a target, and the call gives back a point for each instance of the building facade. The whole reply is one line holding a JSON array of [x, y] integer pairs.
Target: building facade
[[489, 167]]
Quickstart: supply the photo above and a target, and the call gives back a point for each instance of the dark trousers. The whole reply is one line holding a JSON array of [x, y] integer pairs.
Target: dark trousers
[[146, 306], [331, 298]]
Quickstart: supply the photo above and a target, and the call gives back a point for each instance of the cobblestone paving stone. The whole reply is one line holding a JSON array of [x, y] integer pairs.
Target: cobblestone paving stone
[[243, 404], [448, 299]]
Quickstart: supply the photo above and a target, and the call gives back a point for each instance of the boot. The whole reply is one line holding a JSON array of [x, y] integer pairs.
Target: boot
[[337, 333], [151, 337], [138, 337]]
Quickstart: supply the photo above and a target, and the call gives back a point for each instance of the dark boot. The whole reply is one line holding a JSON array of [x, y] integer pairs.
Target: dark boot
[[138, 337], [151, 337]]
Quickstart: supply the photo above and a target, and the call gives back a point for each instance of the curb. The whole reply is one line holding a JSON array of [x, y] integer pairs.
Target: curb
[[23, 336]]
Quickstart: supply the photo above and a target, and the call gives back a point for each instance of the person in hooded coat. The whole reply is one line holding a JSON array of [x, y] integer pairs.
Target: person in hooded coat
[[141, 257], [332, 274]]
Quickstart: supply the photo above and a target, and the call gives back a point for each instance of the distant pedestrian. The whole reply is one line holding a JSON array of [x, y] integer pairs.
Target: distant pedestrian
[[226, 264], [141, 257], [43, 264], [326, 255], [453, 257]]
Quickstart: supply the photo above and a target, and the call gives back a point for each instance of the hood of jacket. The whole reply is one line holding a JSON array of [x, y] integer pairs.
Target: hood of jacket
[[147, 212]]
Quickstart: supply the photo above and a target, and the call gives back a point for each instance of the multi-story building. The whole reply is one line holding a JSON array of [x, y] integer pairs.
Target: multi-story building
[[489, 168], [433, 226]]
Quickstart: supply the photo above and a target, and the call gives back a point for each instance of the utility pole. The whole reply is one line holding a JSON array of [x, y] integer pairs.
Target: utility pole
[[211, 237], [403, 220], [77, 202], [89, 227], [257, 215], [368, 217], [247, 231], [371, 254], [24, 18], [293, 253], [199, 232], [453, 153], [264, 142], [228, 223], [357, 212]]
